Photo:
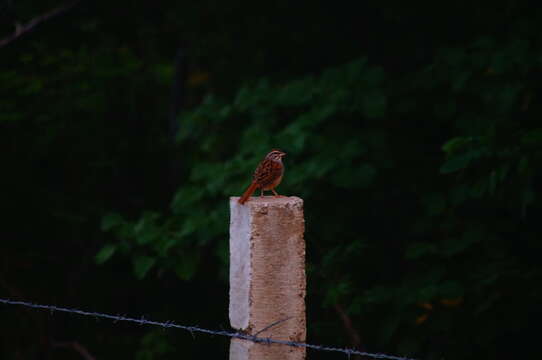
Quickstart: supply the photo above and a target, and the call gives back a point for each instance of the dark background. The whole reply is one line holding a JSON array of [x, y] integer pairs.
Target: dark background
[[413, 134]]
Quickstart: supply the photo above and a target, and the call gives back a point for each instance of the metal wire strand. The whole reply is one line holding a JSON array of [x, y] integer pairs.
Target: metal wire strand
[[193, 329]]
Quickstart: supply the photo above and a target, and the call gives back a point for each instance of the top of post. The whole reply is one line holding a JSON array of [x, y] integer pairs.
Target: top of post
[[265, 201]]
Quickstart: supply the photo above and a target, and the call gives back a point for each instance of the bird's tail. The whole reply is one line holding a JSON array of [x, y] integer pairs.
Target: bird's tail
[[248, 193]]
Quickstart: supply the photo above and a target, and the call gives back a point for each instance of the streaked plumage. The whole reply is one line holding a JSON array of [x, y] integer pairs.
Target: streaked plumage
[[267, 175]]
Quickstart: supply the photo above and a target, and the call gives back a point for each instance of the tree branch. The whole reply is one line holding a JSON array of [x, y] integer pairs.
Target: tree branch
[[23, 29], [77, 348], [355, 339]]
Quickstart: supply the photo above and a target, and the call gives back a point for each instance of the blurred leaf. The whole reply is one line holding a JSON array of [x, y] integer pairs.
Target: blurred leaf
[[154, 345], [142, 265], [456, 162], [146, 230], [335, 293], [164, 72], [110, 221], [453, 246], [105, 253]]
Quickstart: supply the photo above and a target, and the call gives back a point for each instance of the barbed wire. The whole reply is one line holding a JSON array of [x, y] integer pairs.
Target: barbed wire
[[193, 329]]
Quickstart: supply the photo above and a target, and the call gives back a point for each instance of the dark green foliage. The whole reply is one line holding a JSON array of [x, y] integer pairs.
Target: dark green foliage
[[344, 156], [414, 142]]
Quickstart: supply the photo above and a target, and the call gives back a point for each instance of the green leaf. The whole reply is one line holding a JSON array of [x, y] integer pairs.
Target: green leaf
[[148, 236], [335, 293], [453, 246], [186, 196], [163, 73], [142, 265], [105, 253], [455, 163], [457, 143], [154, 345], [146, 230], [110, 221], [296, 93]]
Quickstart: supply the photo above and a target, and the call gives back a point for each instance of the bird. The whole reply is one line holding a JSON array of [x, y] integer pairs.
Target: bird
[[267, 175]]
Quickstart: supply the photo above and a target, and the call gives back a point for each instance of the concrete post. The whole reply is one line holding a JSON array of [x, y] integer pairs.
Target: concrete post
[[267, 276]]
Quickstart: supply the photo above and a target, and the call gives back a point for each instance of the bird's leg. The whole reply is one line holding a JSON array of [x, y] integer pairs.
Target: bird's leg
[[276, 193], [261, 192]]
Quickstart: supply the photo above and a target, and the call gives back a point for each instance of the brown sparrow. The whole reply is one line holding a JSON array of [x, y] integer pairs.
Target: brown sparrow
[[267, 176]]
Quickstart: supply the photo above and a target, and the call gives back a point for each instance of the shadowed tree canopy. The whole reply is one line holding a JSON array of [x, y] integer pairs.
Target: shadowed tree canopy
[[413, 135]]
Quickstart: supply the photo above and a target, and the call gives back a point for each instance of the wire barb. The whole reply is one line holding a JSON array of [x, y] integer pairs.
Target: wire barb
[[194, 329], [271, 325]]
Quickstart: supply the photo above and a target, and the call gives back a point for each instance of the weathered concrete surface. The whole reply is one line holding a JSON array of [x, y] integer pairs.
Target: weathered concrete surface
[[267, 274], [247, 350]]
